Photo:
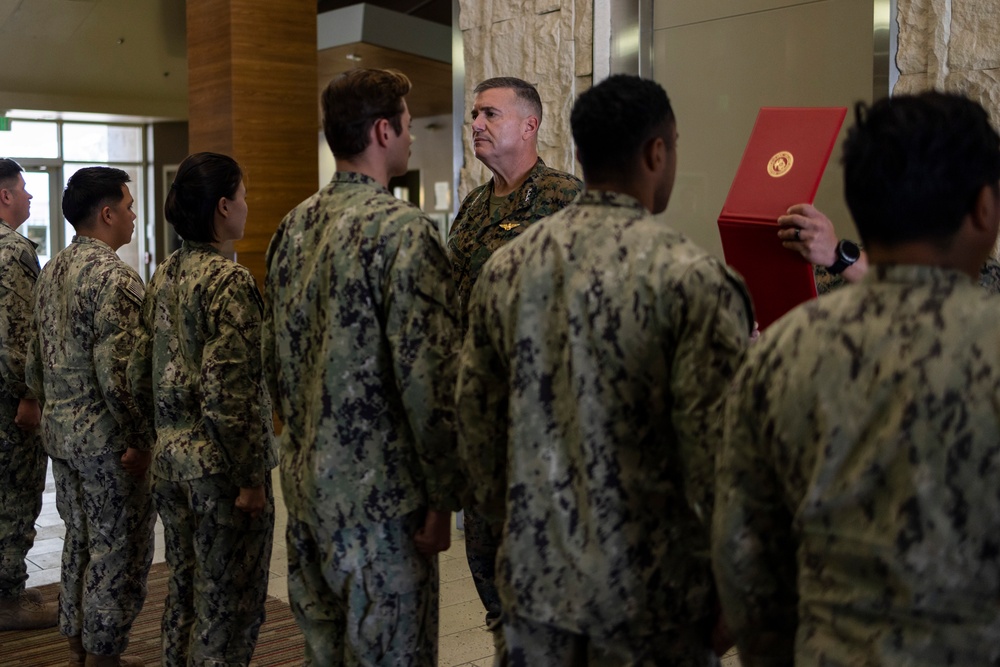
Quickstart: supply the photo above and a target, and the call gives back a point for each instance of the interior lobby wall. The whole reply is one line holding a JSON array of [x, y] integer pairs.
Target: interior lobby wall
[[720, 61]]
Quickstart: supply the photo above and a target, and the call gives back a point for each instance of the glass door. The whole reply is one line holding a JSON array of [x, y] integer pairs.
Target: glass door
[[44, 225]]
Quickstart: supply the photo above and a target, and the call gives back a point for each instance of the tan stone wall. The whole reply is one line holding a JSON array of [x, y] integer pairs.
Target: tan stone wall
[[546, 42], [951, 45]]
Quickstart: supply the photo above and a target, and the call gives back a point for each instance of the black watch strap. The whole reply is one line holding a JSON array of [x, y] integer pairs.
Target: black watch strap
[[848, 253]]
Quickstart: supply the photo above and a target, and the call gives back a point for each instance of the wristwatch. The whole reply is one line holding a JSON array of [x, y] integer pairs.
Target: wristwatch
[[848, 252]]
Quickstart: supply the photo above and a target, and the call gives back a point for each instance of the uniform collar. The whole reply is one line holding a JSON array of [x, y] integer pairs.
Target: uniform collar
[[917, 274], [608, 198], [357, 178], [3, 223], [200, 245], [90, 240]]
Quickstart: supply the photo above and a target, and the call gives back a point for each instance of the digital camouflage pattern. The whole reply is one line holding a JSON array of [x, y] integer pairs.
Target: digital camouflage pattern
[[22, 458], [218, 557], [360, 341], [540, 644], [476, 233], [198, 362], [989, 278], [87, 303], [107, 549], [370, 584], [589, 402], [199, 351], [857, 513], [360, 334]]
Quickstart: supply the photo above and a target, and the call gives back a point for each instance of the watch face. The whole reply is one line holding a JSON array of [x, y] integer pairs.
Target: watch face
[[849, 250]]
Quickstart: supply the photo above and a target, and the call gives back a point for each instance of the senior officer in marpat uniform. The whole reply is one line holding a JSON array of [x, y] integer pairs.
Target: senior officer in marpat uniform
[[506, 115]]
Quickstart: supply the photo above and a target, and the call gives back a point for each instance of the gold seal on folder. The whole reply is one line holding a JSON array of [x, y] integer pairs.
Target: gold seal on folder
[[780, 164]]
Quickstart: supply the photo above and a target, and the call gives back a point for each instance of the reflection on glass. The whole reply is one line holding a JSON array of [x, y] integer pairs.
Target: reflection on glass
[[36, 227], [40, 236], [28, 138], [102, 143]]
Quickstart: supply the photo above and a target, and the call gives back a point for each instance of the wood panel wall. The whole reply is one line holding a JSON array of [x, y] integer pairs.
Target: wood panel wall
[[252, 94]]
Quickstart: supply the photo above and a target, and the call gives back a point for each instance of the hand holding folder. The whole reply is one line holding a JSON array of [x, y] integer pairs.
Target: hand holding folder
[[782, 165]]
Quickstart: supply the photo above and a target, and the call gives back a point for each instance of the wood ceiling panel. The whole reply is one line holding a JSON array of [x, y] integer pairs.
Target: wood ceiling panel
[[431, 93]]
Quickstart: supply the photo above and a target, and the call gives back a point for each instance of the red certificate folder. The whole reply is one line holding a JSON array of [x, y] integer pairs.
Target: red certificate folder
[[782, 165]]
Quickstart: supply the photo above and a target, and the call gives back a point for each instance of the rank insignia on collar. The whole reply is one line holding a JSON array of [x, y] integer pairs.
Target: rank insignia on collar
[[507, 226]]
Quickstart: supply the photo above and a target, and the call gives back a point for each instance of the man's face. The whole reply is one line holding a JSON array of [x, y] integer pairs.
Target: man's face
[[123, 219], [666, 184], [19, 202], [399, 153], [498, 118]]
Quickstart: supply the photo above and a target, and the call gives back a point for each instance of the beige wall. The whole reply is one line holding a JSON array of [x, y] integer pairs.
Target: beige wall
[[546, 42], [721, 60]]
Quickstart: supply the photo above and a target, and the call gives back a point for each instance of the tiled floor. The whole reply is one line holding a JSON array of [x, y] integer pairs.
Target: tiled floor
[[464, 639]]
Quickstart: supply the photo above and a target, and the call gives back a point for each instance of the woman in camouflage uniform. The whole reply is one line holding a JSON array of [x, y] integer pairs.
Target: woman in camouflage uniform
[[198, 369]]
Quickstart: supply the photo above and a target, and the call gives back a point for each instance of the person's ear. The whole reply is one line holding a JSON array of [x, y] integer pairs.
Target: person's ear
[[985, 214], [530, 125], [381, 128], [5, 196], [222, 208], [654, 154], [105, 215]]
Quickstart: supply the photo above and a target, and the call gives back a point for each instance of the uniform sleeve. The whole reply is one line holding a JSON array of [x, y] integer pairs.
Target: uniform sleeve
[[116, 324], [268, 342], [422, 331], [715, 327], [18, 273], [753, 553], [460, 264], [234, 406], [482, 399], [140, 364]]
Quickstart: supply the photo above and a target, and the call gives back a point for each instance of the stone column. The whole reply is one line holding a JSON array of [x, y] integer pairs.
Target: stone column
[[951, 45], [253, 94], [546, 42]]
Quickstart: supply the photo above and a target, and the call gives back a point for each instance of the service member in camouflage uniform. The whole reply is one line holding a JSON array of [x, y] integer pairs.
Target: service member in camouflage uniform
[[22, 458], [360, 345], [600, 345], [200, 351], [806, 230], [506, 115], [87, 304], [857, 512]]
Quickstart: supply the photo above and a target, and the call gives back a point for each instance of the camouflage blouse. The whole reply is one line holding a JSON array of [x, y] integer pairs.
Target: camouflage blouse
[[599, 348], [857, 515], [87, 304], [360, 335], [198, 364]]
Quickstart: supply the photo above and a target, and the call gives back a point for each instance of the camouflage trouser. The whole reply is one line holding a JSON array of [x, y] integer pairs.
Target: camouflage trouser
[[22, 481], [530, 643], [363, 596], [109, 547], [481, 544], [218, 559]]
